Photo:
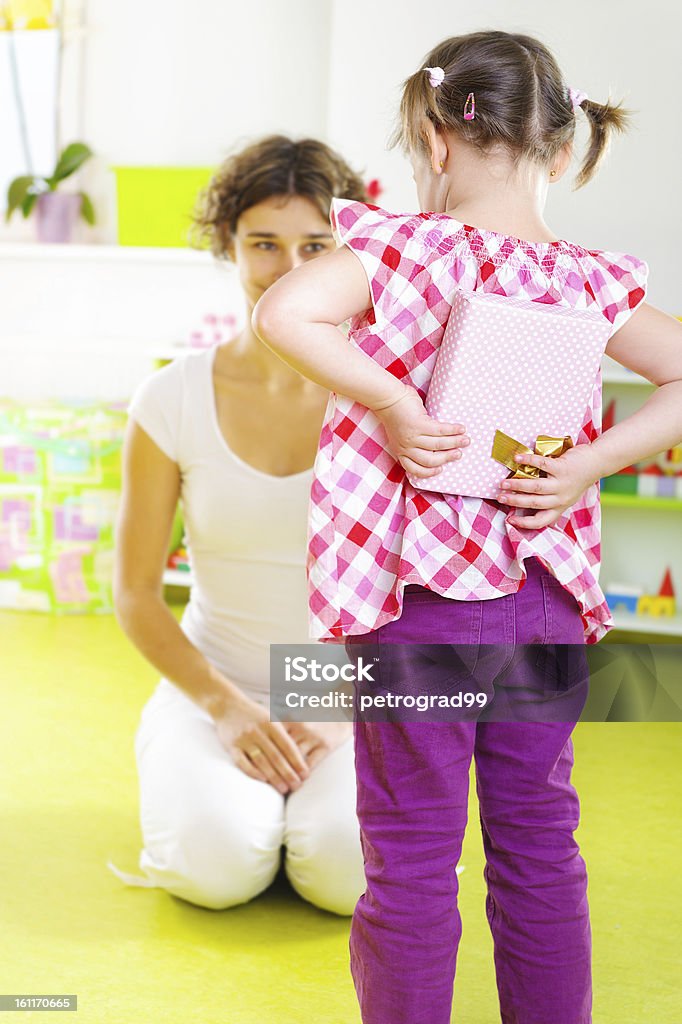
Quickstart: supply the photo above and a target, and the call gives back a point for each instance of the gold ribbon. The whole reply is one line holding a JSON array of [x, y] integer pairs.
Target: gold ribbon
[[506, 447]]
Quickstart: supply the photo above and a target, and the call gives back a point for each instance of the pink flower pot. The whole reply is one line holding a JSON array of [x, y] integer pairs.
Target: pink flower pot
[[56, 215]]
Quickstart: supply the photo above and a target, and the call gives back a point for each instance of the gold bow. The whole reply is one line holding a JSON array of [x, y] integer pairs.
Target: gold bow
[[505, 448]]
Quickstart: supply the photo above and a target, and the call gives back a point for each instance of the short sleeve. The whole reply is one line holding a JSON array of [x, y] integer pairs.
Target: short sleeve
[[386, 245], [620, 284], [157, 407]]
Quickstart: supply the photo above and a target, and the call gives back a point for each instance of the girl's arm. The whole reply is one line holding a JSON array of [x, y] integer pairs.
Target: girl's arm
[[151, 488], [298, 319], [650, 343]]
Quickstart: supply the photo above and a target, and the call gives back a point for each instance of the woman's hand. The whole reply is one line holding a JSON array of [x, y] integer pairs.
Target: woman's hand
[[316, 740], [568, 477], [261, 748], [420, 444]]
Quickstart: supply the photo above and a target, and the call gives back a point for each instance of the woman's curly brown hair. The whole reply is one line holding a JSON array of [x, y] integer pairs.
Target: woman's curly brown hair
[[273, 166]]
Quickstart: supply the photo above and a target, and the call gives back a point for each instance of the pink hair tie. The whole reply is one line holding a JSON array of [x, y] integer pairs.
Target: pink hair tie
[[576, 97], [436, 76]]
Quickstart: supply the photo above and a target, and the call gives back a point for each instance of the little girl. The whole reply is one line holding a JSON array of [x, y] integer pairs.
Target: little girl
[[488, 123]]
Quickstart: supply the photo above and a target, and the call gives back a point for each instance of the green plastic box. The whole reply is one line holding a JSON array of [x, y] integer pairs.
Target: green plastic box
[[155, 204]]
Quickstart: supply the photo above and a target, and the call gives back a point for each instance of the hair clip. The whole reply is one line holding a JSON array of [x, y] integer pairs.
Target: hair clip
[[470, 111], [576, 97], [436, 76]]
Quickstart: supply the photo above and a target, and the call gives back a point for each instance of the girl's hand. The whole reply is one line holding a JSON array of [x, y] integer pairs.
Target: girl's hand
[[316, 740], [262, 749], [420, 444], [568, 477]]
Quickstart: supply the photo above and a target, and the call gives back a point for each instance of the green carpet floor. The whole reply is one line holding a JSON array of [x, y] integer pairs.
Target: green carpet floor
[[71, 693]]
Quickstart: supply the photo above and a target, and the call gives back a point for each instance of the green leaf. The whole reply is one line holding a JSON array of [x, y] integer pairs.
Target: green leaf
[[87, 209], [17, 192], [28, 204], [73, 157]]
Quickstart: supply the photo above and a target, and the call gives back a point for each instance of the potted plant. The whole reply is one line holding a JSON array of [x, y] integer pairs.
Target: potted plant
[[56, 212]]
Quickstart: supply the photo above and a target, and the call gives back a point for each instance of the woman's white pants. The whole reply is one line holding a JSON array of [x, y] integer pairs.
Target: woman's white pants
[[213, 836]]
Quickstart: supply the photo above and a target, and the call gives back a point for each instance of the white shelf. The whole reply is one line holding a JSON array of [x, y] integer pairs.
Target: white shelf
[[71, 253], [671, 626], [177, 578], [173, 351]]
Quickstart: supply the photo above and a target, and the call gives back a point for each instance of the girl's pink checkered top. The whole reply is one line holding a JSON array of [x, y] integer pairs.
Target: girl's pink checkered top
[[371, 533]]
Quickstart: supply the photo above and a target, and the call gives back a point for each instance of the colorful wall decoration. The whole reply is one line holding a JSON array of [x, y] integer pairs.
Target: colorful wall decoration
[[59, 492]]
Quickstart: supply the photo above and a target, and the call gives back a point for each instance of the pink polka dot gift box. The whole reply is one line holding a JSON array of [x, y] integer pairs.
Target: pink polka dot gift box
[[514, 365]]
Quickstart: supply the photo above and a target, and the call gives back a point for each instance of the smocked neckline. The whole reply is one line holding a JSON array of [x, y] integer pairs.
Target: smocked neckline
[[512, 238]]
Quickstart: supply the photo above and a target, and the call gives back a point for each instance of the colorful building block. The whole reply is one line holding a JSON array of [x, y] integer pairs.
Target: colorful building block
[[678, 486], [625, 482], [661, 604], [623, 596], [648, 481], [666, 486]]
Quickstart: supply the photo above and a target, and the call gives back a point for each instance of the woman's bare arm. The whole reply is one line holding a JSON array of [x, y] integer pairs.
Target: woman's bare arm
[[151, 487]]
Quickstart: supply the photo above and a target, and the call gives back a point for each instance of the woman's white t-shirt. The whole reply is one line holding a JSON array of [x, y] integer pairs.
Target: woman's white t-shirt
[[246, 530]]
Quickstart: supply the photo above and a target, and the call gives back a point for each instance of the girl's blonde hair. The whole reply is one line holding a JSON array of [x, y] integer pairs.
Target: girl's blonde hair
[[522, 101], [273, 166]]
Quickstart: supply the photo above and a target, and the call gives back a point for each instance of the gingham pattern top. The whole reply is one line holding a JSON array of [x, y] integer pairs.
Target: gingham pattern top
[[371, 533]]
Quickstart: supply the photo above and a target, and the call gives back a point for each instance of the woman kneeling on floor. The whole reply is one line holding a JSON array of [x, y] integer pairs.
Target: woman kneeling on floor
[[232, 433]]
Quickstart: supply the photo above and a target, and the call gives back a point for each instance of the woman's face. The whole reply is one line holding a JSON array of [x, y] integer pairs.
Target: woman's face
[[275, 236]]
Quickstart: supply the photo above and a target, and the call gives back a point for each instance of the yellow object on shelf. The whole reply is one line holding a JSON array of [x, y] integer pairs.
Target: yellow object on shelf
[[662, 603], [26, 15], [155, 204], [654, 604]]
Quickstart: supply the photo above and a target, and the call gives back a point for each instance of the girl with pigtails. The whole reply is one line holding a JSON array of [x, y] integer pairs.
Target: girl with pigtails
[[488, 123]]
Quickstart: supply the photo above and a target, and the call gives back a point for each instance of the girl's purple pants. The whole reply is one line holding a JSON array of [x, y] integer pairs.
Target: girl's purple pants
[[413, 779]]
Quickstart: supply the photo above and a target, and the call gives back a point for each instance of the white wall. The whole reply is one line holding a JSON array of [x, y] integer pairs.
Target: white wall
[[171, 82], [35, 58], [166, 82], [88, 322], [616, 46]]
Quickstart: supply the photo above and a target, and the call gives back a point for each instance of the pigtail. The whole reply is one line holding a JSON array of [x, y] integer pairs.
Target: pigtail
[[521, 101], [604, 119], [419, 101]]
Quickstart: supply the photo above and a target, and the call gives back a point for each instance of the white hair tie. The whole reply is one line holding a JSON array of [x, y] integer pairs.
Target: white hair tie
[[436, 76], [576, 97]]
